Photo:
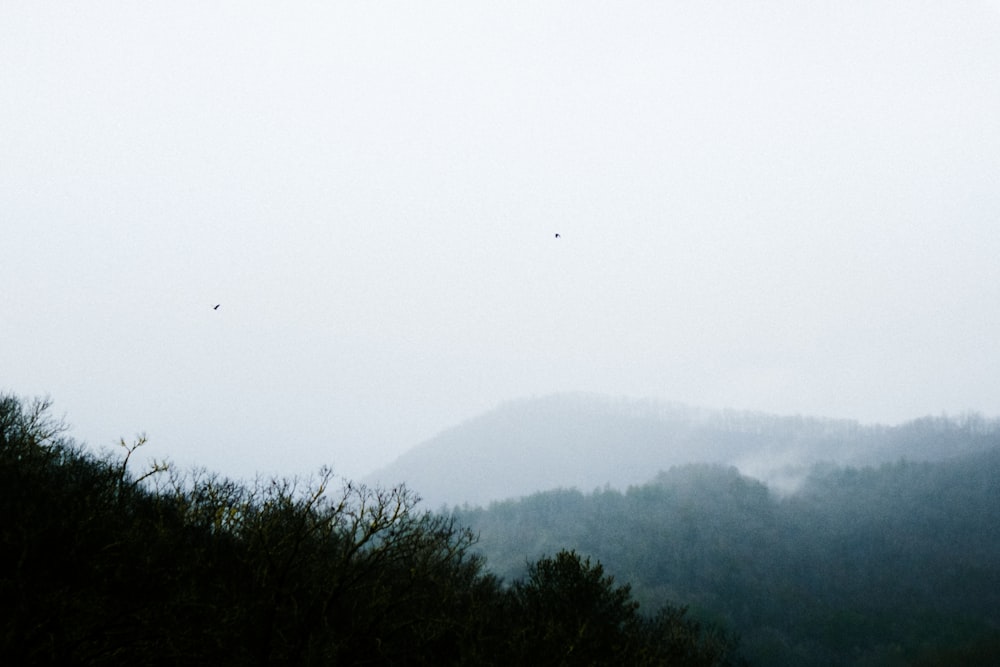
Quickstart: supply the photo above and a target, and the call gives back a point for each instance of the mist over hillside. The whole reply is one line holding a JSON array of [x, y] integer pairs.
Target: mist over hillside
[[588, 441], [897, 564]]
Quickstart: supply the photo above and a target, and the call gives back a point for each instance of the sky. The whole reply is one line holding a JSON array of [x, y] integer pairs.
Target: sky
[[791, 207]]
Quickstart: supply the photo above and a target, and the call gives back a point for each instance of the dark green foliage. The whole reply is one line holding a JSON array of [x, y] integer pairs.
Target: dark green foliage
[[100, 566], [889, 565], [573, 614]]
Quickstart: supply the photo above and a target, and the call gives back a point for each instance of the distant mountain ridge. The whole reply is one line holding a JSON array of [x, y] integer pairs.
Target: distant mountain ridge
[[587, 441]]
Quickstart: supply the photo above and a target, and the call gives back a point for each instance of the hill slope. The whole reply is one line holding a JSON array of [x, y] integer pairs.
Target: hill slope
[[99, 566], [893, 565], [588, 441]]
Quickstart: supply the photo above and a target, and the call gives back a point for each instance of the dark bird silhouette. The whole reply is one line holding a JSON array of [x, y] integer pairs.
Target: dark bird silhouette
[[217, 306], [558, 236]]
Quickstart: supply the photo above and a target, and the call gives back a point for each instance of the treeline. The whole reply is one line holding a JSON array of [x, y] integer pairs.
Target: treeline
[[103, 566], [895, 565]]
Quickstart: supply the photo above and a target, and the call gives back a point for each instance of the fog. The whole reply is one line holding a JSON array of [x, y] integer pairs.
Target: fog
[[785, 207]]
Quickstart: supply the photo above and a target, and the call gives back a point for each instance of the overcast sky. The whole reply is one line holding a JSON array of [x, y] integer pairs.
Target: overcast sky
[[781, 206]]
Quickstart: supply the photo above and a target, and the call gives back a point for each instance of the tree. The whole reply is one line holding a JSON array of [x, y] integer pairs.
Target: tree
[[574, 614]]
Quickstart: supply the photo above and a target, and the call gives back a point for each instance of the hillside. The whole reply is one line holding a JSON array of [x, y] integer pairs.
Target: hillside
[[588, 441], [101, 566], [894, 565]]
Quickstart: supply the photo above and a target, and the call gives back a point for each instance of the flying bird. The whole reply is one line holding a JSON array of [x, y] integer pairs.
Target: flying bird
[[217, 306], [558, 236]]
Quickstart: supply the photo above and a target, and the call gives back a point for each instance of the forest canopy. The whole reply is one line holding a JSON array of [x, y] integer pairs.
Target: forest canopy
[[103, 565], [891, 565]]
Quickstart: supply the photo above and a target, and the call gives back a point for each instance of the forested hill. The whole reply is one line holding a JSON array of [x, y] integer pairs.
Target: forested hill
[[893, 565], [588, 441], [100, 565]]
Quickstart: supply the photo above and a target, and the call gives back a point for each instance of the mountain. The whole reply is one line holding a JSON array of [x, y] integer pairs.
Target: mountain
[[587, 441]]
